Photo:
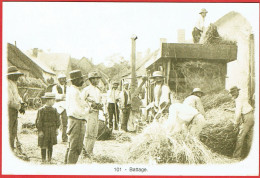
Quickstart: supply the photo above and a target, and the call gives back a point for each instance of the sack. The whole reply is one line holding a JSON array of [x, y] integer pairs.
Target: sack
[[103, 131]]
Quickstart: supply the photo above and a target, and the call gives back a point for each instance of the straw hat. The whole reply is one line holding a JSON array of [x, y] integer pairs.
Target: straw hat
[[12, 70], [61, 76], [157, 74], [49, 95], [203, 10], [197, 90]]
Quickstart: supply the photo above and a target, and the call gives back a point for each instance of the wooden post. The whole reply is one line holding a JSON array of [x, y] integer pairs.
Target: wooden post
[[251, 77]]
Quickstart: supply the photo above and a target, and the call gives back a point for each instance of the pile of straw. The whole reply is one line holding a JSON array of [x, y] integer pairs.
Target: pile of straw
[[155, 145], [220, 137], [214, 100], [212, 37]]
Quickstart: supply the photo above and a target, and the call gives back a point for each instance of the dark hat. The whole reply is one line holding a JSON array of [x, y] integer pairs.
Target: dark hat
[[49, 95], [234, 88], [93, 75], [115, 83], [12, 70], [75, 74]]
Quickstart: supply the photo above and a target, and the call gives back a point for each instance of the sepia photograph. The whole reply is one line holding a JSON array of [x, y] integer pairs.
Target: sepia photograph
[[116, 88]]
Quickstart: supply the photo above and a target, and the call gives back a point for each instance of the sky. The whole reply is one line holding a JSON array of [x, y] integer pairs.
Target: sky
[[100, 30]]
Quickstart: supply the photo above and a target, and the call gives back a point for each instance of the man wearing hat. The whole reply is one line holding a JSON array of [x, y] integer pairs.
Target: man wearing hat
[[199, 26], [125, 102], [113, 96], [60, 91], [194, 100], [244, 119], [93, 97], [15, 103], [77, 111], [162, 93]]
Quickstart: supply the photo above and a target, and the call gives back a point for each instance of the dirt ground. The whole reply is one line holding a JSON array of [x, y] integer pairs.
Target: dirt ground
[[114, 150]]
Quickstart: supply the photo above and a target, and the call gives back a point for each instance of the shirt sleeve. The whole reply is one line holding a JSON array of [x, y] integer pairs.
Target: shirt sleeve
[[238, 111], [39, 121]]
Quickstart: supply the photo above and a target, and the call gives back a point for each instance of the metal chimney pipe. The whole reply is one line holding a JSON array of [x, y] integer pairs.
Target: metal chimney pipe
[[133, 59]]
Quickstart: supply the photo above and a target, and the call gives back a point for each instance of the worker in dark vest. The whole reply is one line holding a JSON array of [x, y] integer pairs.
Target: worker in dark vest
[[60, 91], [125, 103], [15, 103]]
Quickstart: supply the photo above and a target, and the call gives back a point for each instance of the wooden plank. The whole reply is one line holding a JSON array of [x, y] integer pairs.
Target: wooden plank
[[224, 52]]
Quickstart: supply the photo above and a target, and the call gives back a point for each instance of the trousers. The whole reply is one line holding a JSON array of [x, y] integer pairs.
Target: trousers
[[64, 125], [196, 34], [113, 111], [76, 132], [245, 129], [126, 114], [91, 132], [13, 125]]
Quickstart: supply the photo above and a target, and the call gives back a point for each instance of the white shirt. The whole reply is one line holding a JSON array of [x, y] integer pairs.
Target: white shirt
[[14, 99], [163, 96], [200, 23], [195, 102], [57, 94], [92, 93], [75, 104], [113, 95]]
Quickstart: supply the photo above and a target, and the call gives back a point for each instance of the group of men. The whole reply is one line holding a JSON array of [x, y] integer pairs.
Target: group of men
[[79, 108]]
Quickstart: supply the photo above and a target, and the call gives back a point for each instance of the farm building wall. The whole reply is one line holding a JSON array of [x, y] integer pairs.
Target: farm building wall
[[235, 27]]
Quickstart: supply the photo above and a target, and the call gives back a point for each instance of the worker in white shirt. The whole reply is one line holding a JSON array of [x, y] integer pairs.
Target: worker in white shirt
[[15, 103], [194, 100], [113, 96], [93, 97], [77, 111], [244, 119], [60, 92], [199, 26], [125, 102], [162, 94]]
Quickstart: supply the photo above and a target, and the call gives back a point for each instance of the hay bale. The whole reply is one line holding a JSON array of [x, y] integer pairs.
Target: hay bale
[[154, 144]]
